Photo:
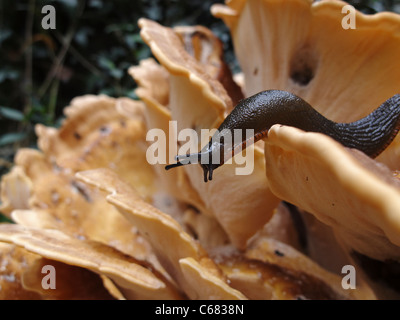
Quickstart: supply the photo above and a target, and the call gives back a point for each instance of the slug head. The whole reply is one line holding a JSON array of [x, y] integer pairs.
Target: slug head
[[210, 158]]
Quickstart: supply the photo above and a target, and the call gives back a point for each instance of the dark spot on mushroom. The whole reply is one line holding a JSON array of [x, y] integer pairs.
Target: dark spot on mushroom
[[105, 130], [255, 72], [81, 189], [77, 136], [194, 209], [192, 231], [279, 254], [303, 66], [306, 178], [122, 123]]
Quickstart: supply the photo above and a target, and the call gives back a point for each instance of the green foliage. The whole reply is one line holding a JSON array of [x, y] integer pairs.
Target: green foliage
[[11, 114]]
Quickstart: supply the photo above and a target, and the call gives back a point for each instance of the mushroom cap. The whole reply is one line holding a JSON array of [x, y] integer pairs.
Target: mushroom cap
[[153, 89], [132, 277], [201, 43], [183, 258], [41, 190], [72, 282], [270, 269], [358, 197], [259, 272], [96, 134], [12, 267]]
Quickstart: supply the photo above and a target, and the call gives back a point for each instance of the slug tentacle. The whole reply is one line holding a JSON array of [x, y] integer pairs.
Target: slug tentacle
[[261, 111]]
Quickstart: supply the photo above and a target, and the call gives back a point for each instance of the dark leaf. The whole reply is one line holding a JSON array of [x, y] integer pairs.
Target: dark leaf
[[12, 137], [11, 114]]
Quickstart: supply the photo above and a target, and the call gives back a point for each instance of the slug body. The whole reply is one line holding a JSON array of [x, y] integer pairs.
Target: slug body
[[259, 112]]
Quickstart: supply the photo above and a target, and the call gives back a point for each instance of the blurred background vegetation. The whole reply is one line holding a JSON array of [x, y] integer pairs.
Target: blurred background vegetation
[[89, 52]]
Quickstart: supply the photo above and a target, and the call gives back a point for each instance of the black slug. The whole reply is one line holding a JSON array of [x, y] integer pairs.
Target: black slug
[[259, 112]]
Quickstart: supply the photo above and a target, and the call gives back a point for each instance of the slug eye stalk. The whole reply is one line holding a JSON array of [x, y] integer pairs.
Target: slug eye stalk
[[207, 159]]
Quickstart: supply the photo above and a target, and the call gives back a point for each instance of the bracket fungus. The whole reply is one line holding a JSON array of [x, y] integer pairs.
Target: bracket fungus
[[199, 101], [89, 202]]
